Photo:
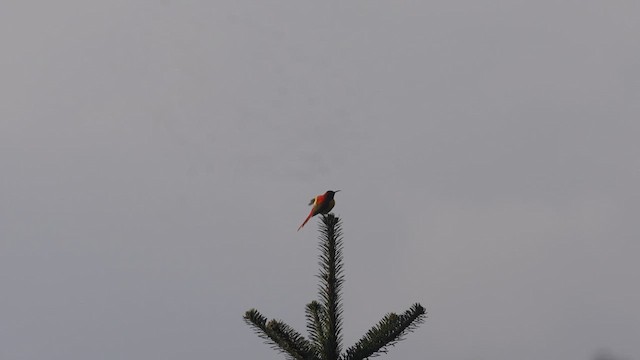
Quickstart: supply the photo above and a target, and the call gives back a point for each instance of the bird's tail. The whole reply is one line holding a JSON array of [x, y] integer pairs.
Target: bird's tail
[[305, 220]]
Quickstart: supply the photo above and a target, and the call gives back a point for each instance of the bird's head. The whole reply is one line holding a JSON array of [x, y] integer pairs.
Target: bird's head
[[330, 193]]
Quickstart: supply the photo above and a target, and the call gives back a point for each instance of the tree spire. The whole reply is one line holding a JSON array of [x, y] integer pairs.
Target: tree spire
[[324, 317]]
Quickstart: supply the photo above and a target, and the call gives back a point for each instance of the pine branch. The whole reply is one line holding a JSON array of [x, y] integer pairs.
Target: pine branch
[[258, 322], [291, 341], [324, 321], [280, 336], [331, 279], [315, 324], [390, 330]]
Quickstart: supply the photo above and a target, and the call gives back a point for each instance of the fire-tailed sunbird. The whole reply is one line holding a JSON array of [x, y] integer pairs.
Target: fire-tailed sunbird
[[322, 204]]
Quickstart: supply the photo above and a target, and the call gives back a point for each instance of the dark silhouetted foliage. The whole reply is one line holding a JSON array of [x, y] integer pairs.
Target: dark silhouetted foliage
[[324, 317]]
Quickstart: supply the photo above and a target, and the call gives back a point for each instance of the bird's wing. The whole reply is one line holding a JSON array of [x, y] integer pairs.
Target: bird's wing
[[315, 200]]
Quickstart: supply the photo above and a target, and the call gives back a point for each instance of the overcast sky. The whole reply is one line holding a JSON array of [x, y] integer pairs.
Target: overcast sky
[[157, 157]]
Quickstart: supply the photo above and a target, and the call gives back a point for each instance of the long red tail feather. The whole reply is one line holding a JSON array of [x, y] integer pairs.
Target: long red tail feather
[[305, 220]]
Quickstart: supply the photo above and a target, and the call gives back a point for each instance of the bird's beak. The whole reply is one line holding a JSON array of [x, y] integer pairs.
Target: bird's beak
[[336, 191]]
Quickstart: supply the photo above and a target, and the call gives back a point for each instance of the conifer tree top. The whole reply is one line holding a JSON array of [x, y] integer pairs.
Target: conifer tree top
[[324, 317]]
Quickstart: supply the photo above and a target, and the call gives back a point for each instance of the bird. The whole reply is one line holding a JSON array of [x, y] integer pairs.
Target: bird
[[322, 204]]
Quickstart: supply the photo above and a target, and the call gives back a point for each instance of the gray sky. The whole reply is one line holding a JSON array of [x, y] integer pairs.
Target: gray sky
[[157, 158]]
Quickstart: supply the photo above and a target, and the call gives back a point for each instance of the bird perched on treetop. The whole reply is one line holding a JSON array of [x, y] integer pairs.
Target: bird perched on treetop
[[322, 204]]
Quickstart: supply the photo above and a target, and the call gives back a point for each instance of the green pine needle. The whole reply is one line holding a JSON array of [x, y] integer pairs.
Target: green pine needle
[[324, 317], [391, 329], [280, 336]]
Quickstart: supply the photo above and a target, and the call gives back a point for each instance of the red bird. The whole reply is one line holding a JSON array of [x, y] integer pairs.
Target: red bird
[[322, 204]]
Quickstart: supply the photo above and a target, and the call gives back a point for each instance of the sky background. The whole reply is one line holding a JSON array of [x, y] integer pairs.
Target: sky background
[[157, 157]]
